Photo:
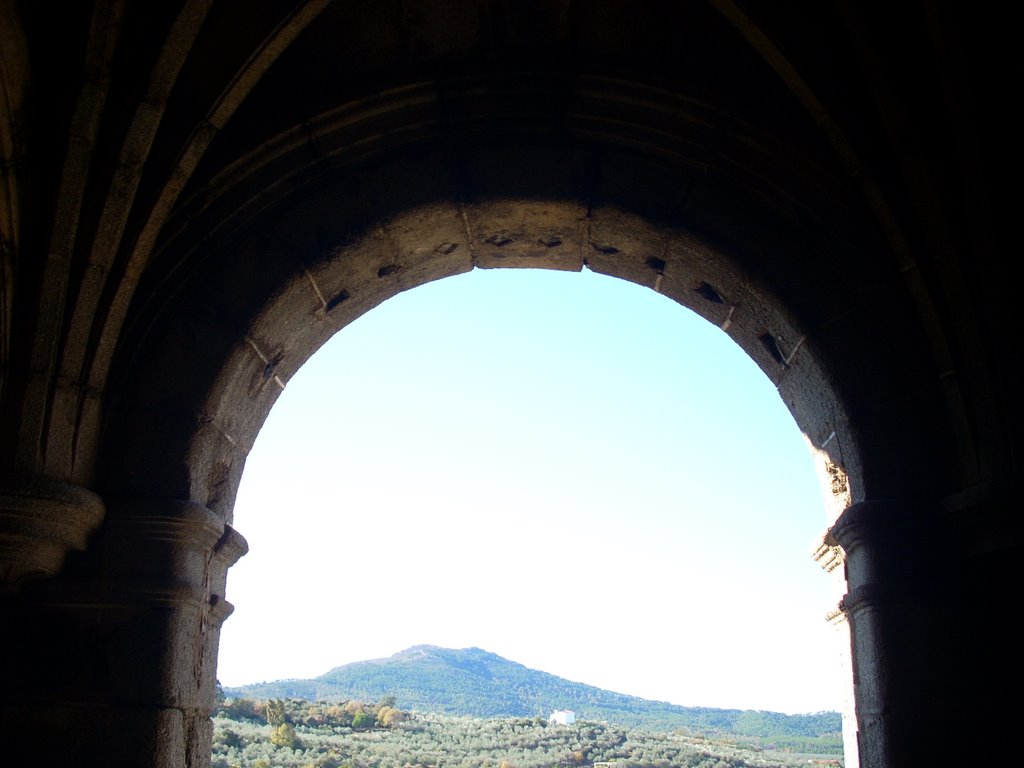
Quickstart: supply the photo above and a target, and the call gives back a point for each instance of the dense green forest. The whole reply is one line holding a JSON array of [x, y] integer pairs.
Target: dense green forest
[[474, 682], [293, 733]]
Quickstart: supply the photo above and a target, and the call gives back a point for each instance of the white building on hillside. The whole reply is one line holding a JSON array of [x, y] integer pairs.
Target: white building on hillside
[[562, 717]]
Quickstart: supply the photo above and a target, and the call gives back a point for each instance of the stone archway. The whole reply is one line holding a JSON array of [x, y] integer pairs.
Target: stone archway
[[310, 270], [240, 313], [207, 192]]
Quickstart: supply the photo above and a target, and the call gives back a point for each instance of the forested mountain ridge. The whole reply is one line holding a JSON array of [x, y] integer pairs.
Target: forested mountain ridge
[[474, 682]]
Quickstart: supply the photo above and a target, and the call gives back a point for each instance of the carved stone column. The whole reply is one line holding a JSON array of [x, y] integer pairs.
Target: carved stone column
[[46, 527], [899, 611], [117, 667], [830, 556], [166, 563]]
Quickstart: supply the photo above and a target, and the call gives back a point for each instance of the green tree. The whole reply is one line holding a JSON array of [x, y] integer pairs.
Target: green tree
[[284, 736], [362, 720], [240, 709], [229, 738], [273, 711]]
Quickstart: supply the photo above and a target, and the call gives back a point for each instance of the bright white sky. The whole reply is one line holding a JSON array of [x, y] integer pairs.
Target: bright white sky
[[565, 469]]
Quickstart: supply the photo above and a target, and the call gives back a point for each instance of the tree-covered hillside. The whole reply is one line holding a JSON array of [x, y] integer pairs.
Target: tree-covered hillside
[[477, 683], [290, 733]]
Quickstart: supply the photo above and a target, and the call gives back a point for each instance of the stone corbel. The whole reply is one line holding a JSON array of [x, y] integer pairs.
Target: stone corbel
[[828, 554]]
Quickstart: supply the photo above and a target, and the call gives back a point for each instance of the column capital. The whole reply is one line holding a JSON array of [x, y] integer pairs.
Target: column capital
[[140, 626], [884, 540], [170, 547], [865, 519], [42, 520]]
